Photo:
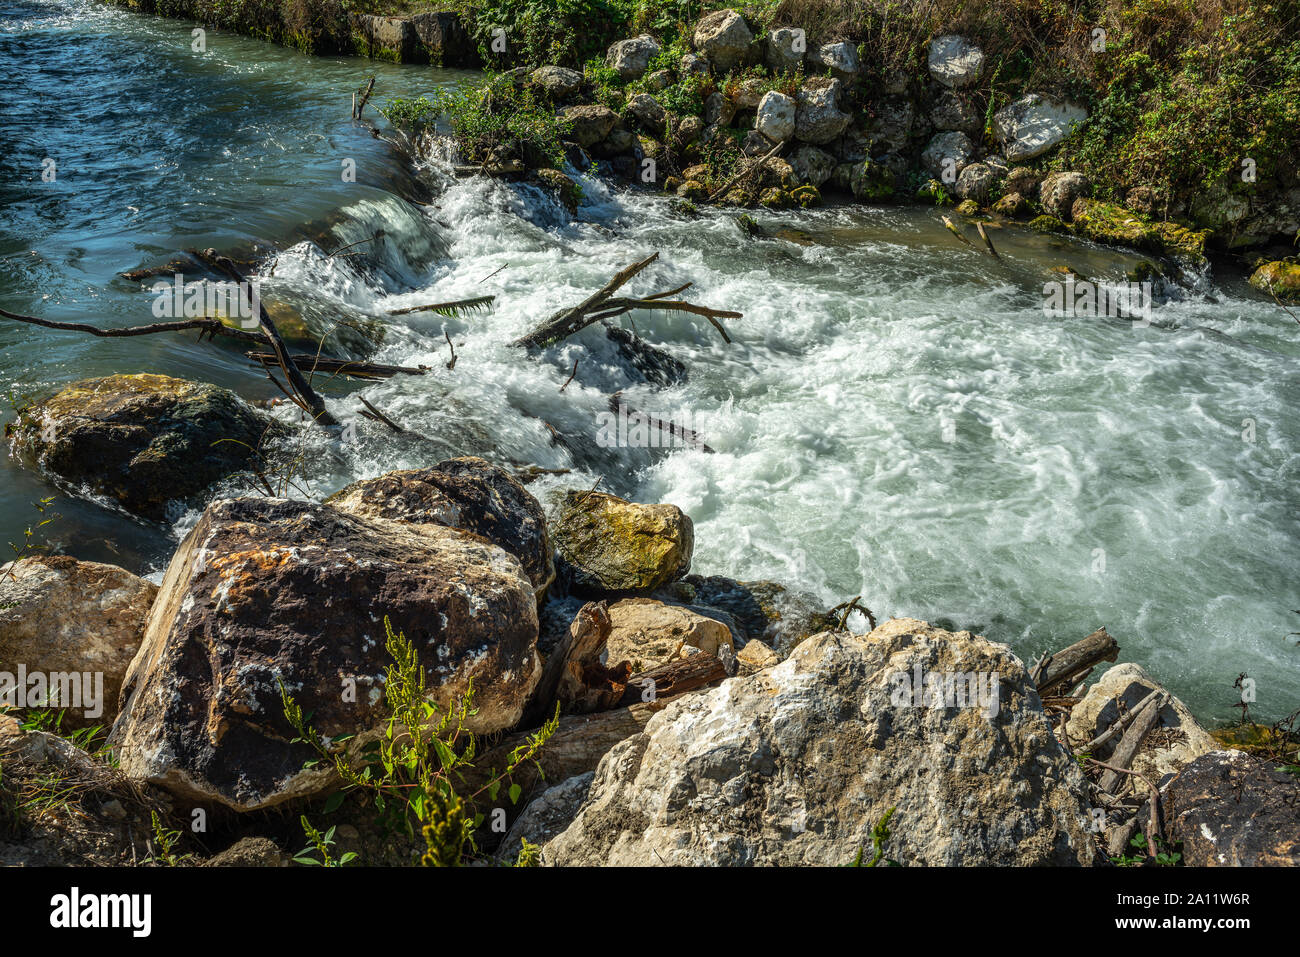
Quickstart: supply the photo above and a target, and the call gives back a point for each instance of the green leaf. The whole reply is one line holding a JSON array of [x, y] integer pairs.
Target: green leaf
[[334, 802], [515, 791]]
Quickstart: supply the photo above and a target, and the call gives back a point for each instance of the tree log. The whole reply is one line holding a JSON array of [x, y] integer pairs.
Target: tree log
[[1058, 673], [1128, 746], [674, 677]]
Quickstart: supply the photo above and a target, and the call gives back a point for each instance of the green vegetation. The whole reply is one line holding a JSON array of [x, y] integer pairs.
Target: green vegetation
[[1162, 854], [410, 773], [500, 113], [879, 835]]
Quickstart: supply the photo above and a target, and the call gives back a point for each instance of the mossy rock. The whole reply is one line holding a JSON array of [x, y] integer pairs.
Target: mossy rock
[[1253, 738], [611, 546], [694, 190], [672, 184], [1280, 278], [807, 195], [968, 207], [1145, 271], [1114, 225], [776, 199], [145, 440], [1047, 224]]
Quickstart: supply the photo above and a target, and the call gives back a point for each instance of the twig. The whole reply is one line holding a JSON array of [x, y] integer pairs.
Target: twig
[[452, 364], [365, 98], [571, 375], [379, 416], [379, 233], [746, 172], [979, 227]]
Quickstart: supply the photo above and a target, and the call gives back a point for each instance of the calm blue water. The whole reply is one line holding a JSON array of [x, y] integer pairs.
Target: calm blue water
[[896, 417]]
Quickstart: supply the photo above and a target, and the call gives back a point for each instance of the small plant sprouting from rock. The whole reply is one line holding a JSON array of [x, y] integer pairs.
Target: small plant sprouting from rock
[[165, 840], [410, 771], [29, 544], [879, 835], [1165, 855], [530, 855]]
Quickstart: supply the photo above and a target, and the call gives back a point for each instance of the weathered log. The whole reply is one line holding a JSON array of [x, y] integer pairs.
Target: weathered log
[[674, 677], [1117, 726], [573, 674], [1128, 746], [1061, 671]]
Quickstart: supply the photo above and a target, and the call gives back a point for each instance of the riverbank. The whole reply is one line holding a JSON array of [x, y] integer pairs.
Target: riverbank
[[885, 395]]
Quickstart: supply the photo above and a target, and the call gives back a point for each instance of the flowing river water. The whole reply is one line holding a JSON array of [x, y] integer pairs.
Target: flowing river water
[[895, 418]]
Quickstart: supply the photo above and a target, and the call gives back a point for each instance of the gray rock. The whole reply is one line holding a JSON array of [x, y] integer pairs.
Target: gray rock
[[1231, 809], [893, 125], [692, 63], [775, 117], [955, 62], [797, 763], [558, 82], [840, 58], [1033, 125], [1058, 192], [589, 124], [444, 40], [718, 110], [782, 57], [818, 118], [248, 852], [976, 182], [631, 58], [649, 114], [724, 38], [546, 816], [946, 155], [953, 111], [812, 165]]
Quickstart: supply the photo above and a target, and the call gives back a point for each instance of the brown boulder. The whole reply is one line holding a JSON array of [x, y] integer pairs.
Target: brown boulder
[[268, 592]]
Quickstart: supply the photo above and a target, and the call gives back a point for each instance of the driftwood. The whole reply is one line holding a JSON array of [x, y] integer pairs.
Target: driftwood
[[1117, 726], [746, 172], [573, 674], [689, 438], [209, 327], [674, 677], [1128, 746], [979, 227], [952, 228], [1063, 670], [365, 98], [602, 305], [370, 412]]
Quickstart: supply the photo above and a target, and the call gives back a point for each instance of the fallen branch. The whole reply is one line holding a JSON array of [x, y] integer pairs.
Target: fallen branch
[[365, 98], [1128, 746], [691, 439], [378, 416], [955, 231], [674, 678], [210, 327], [453, 309], [568, 321], [348, 367], [979, 227], [1117, 726], [746, 172]]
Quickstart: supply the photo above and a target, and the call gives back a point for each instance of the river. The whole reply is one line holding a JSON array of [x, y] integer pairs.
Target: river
[[895, 418]]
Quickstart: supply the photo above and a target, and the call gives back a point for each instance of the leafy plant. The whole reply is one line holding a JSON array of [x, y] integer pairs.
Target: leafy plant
[[29, 535], [879, 835], [320, 844], [411, 770], [1161, 854], [165, 840]]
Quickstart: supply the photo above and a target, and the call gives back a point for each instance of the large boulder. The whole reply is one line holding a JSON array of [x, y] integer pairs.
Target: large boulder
[[78, 624], [631, 58], [611, 545], [1232, 809], [385, 38], [955, 62], [558, 82], [818, 117], [265, 593], [149, 441], [724, 38], [1032, 125], [588, 124], [946, 155], [976, 182], [466, 493], [645, 633], [893, 125], [1175, 741], [1058, 191], [797, 763], [775, 116], [444, 41], [546, 815], [648, 113]]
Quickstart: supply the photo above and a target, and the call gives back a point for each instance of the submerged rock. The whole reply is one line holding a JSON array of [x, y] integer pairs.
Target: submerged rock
[[611, 545], [1115, 226], [145, 440], [60, 616], [797, 763], [265, 592], [1231, 809], [467, 493]]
